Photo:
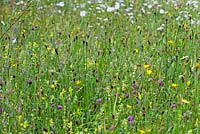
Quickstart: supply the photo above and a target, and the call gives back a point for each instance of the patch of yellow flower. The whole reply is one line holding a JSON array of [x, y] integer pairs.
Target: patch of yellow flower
[[189, 83], [149, 71], [78, 82], [170, 42], [185, 101], [53, 86], [144, 131], [174, 85], [146, 66]]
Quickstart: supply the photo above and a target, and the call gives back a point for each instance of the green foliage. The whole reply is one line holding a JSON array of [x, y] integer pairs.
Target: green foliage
[[92, 67]]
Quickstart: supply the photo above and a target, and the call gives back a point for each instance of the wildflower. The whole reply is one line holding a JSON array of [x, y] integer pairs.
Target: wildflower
[[137, 85], [173, 105], [1, 110], [197, 65], [126, 95], [60, 4], [150, 79], [52, 104], [135, 50], [59, 107], [18, 110], [129, 106], [78, 82], [112, 127], [170, 42], [53, 86], [116, 94], [174, 85], [97, 79], [146, 66], [130, 119], [24, 125], [189, 83], [149, 71], [83, 13], [185, 101], [99, 100], [143, 131], [134, 91], [160, 83]]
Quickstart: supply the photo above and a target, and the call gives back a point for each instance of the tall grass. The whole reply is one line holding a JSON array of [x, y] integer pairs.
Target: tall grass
[[103, 72]]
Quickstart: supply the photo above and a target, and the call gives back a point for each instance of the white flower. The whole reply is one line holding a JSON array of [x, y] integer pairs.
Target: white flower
[[110, 9], [60, 4], [83, 13], [162, 11]]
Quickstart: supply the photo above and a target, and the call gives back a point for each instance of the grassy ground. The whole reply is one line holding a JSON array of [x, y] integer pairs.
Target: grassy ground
[[96, 67]]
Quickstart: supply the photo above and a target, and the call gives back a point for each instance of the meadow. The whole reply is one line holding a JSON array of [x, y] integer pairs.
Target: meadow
[[95, 66]]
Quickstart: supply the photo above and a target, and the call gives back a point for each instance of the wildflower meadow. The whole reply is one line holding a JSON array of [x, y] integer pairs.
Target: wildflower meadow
[[100, 67]]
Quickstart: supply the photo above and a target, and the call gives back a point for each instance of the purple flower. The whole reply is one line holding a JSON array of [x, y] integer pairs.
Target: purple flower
[[99, 100], [160, 83], [150, 79], [130, 119], [116, 94], [18, 110], [137, 85], [112, 127], [126, 95], [173, 105], [97, 79], [134, 91], [52, 104], [1, 110], [59, 107]]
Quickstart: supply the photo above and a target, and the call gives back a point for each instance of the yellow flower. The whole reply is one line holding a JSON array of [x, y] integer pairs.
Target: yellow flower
[[143, 131], [135, 50], [170, 42], [53, 86], [129, 106], [149, 71], [185, 101], [189, 83], [48, 48], [174, 85], [146, 66], [78, 82], [197, 65], [148, 130]]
